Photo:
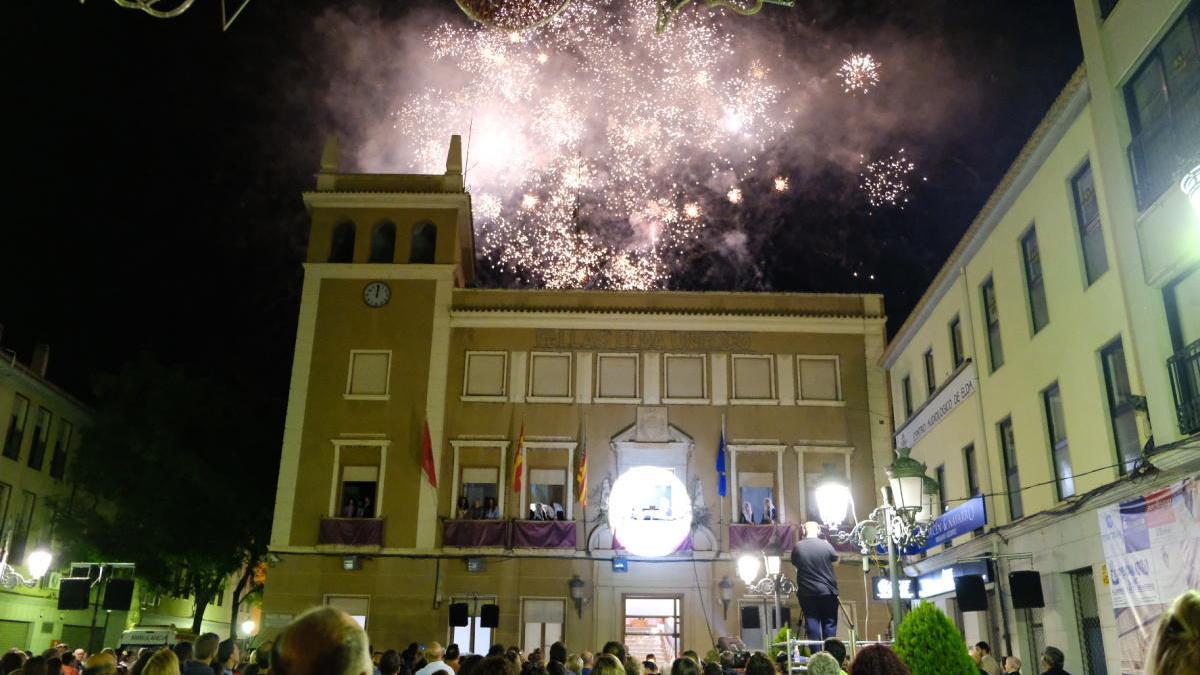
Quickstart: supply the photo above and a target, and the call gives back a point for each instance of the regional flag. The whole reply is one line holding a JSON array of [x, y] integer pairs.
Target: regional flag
[[519, 460], [721, 462], [581, 478], [427, 456]]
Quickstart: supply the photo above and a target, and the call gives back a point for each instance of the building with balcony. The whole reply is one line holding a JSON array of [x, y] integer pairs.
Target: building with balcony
[[1051, 365], [395, 350]]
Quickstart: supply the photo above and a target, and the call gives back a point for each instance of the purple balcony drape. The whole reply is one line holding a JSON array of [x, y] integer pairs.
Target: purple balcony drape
[[543, 534], [474, 533], [351, 531], [761, 537]]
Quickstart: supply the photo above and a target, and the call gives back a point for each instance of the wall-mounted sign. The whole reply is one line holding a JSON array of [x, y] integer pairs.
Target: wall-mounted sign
[[941, 581], [881, 588], [950, 397]]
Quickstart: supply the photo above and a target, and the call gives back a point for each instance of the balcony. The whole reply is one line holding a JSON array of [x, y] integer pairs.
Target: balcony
[[351, 531], [1184, 368], [509, 534], [1166, 148]]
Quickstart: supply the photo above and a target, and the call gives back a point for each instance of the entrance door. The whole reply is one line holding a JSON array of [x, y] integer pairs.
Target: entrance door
[[91, 639], [1083, 585], [14, 634], [652, 626]]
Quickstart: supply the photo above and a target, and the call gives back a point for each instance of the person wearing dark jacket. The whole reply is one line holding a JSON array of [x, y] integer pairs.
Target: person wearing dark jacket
[[816, 585], [1052, 661], [203, 653]]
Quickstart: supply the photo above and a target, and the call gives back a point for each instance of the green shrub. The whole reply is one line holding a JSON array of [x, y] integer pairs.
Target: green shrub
[[930, 644]]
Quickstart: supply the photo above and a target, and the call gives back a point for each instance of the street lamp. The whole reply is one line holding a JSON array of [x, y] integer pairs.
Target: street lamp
[[726, 587], [248, 627], [1191, 187], [902, 520], [38, 563], [773, 583], [575, 585]]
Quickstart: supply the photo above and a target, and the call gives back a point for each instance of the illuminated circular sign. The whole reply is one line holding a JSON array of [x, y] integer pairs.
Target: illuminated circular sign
[[649, 511]]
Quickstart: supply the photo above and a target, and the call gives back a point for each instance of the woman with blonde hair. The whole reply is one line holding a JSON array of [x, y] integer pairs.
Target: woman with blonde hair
[[164, 662], [1176, 649]]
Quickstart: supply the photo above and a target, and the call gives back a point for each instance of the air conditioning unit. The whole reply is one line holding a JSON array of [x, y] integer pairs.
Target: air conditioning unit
[[53, 580]]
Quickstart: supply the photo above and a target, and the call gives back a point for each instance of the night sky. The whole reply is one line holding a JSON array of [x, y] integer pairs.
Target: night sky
[[155, 170]]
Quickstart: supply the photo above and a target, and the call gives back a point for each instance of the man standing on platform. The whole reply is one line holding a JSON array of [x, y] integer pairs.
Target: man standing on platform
[[816, 584]]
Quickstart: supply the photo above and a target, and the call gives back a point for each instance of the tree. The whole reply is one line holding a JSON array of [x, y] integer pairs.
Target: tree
[[930, 644], [176, 475]]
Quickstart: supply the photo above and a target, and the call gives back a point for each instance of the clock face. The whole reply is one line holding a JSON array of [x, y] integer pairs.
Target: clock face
[[377, 294]]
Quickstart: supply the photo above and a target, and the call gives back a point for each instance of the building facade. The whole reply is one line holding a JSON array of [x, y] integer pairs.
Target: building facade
[[1051, 367], [393, 344]]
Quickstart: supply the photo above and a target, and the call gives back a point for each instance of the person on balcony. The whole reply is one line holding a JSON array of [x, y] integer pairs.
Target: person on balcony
[[747, 514], [770, 516]]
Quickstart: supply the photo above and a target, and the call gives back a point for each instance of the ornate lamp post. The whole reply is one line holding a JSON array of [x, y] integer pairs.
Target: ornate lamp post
[[726, 587], [902, 520], [1191, 187], [38, 563], [773, 584]]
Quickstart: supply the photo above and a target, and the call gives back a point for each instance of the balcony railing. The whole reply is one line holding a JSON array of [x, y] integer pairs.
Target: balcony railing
[[1166, 148], [351, 531], [1184, 367]]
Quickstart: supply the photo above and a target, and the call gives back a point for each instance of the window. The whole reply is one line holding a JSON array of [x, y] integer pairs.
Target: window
[[941, 481], [956, 342], [906, 390], [652, 626], [1121, 406], [1106, 7], [1087, 220], [472, 638], [478, 496], [756, 495], [383, 243], [617, 377], [685, 377], [1035, 283], [357, 606], [1181, 300], [547, 494], [754, 378], [486, 376], [541, 623], [41, 437], [5, 494], [991, 320], [58, 465], [818, 463], [359, 493], [930, 378], [1163, 101], [970, 470], [369, 373], [1060, 455], [22, 526], [820, 379], [550, 376], [1008, 448], [341, 246], [16, 427], [423, 247]]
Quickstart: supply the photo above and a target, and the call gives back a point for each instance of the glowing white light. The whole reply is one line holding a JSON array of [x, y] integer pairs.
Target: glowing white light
[[543, 57], [733, 121], [747, 568], [649, 511], [833, 501], [1191, 187], [734, 196], [859, 73], [248, 627], [38, 563], [691, 210], [781, 184], [529, 201]]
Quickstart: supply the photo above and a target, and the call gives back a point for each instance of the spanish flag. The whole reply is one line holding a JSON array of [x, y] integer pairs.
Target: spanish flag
[[519, 460], [581, 477]]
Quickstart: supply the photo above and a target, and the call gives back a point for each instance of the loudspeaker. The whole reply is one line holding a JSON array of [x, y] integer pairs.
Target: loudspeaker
[[73, 593], [489, 616], [1026, 587], [118, 594], [750, 618], [458, 614], [972, 597]]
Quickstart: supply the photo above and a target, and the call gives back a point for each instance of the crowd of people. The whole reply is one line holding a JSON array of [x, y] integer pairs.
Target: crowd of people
[[327, 641]]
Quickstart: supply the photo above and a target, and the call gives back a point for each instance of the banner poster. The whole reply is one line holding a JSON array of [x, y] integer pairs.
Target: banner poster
[[1152, 550]]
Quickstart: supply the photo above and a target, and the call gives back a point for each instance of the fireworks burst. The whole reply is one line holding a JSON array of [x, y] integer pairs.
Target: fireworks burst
[[734, 195], [583, 134], [782, 184], [859, 73], [886, 181]]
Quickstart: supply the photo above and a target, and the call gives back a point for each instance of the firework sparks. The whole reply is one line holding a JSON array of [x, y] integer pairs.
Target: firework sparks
[[782, 184], [886, 181], [734, 196], [643, 109], [859, 73]]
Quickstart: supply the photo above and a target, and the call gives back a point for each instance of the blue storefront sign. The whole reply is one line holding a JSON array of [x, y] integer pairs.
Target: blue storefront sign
[[966, 517]]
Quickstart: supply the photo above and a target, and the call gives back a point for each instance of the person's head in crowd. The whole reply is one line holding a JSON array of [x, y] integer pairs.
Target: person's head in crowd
[[452, 656], [262, 656], [497, 665], [837, 649], [574, 663], [587, 658], [1012, 664], [322, 641], [468, 664], [34, 665], [558, 652], [1176, 646], [1052, 659], [616, 649], [11, 661], [823, 663], [227, 655], [649, 667], [691, 654], [607, 664], [390, 662], [983, 647], [80, 655], [727, 659], [206, 647], [685, 666], [633, 666], [104, 663], [713, 668], [162, 662], [496, 650], [760, 664], [434, 652], [877, 660], [140, 665], [68, 658]]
